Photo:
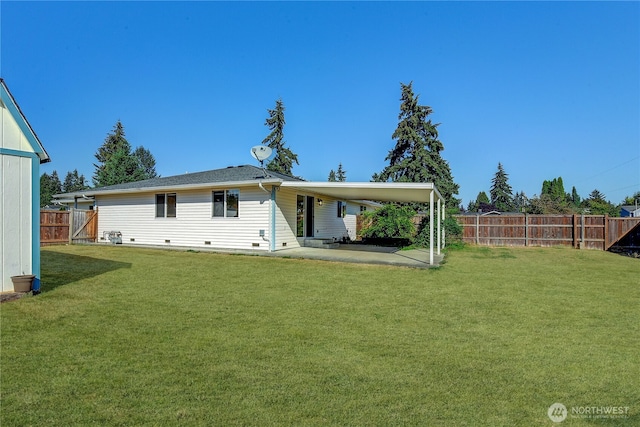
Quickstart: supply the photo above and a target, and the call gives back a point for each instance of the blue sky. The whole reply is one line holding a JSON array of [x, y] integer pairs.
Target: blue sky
[[546, 88]]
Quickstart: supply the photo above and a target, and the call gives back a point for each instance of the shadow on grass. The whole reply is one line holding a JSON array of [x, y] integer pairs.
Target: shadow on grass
[[60, 269]]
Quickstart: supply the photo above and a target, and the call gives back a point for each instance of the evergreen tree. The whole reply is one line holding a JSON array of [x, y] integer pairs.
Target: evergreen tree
[[146, 162], [482, 200], [501, 193], [575, 198], [597, 196], [554, 189], [520, 202], [74, 182], [598, 205], [332, 176], [49, 185], [117, 164], [341, 174], [284, 158], [416, 155]]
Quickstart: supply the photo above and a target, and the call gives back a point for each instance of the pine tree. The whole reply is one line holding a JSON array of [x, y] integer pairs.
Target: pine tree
[[284, 158], [146, 162], [416, 155], [501, 193], [74, 182], [598, 205], [49, 185], [575, 198], [117, 164], [341, 174], [520, 202], [332, 176]]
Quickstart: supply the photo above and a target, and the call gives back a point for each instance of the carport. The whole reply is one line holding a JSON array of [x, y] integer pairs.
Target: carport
[[423, 192]]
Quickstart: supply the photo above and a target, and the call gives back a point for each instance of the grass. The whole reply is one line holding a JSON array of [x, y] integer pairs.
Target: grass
[[128, 336]]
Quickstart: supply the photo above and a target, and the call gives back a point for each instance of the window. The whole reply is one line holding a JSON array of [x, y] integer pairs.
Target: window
[[166, 205], [226, 203], [342, 209], [363, 208]]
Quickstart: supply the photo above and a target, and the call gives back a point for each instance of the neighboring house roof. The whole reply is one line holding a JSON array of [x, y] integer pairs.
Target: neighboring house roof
[[7, 100], [629, 208]]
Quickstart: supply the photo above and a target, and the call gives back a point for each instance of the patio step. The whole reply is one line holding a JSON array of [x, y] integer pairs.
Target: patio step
[[321, 243]]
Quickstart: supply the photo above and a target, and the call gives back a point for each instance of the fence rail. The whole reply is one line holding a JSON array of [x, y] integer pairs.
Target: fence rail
[[578, 231]]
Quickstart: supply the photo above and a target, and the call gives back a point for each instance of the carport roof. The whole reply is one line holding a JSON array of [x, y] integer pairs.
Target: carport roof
[[382, 191]]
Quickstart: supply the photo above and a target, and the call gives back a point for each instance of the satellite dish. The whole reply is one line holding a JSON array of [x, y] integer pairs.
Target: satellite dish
[[261, 152]]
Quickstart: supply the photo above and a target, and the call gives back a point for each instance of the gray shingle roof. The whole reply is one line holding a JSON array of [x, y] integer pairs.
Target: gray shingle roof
[[229, 174]]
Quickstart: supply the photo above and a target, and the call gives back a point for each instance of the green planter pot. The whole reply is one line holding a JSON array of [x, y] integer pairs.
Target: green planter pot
[[22, 283]]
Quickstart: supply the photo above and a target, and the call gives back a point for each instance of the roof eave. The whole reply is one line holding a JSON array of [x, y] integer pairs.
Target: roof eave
[[154, 189], [13, 106]]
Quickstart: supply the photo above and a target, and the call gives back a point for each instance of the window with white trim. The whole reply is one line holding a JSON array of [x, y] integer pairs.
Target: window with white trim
[[226, 203]]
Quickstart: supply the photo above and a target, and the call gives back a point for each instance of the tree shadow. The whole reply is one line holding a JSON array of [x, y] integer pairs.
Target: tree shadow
[[59, 269]]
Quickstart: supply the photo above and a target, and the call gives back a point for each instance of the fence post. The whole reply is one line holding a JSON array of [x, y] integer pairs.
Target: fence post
[[71, 226], [582, 231], [477, 229], [575, 231], [606, 232], [526, 229]]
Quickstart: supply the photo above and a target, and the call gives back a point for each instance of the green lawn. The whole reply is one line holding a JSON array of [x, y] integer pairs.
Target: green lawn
[[127, 336]]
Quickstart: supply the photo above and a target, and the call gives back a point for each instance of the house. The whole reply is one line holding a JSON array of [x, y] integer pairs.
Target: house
[[243, 207], [21, 154], [629, 211]]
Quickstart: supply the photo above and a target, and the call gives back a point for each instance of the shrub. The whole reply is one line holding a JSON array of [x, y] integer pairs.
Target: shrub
[[452, 230], [390, 224]]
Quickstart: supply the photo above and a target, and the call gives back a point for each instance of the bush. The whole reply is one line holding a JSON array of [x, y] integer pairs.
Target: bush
[[390, 224], [452, 230]]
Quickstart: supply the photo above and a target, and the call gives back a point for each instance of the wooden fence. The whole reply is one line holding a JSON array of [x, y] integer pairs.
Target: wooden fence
[[74, 226], [54, 227], [578, 231]]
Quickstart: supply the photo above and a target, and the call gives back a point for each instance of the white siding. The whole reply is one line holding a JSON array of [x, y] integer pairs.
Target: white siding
[[286, 219], [12, 137], [134, 216], [327, 223], [15, 218]]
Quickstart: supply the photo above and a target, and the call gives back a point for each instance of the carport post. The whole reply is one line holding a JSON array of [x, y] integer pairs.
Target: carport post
[[431, 228], [439, 227]]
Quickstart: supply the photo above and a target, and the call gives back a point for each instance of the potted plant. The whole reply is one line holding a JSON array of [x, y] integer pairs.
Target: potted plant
[[22, 283]]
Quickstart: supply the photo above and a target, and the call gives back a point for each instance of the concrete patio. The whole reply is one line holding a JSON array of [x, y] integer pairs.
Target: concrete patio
[[352, 253], [364, 254]]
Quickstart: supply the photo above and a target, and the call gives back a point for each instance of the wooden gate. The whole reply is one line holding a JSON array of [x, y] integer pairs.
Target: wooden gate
[[54, 227], [617, 228], [84, 226]]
